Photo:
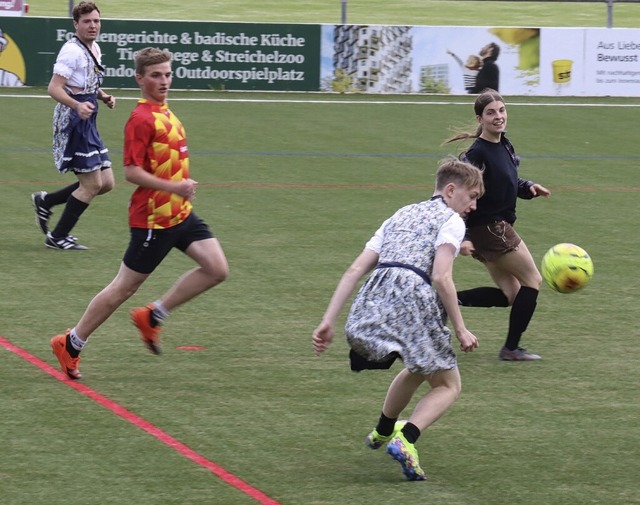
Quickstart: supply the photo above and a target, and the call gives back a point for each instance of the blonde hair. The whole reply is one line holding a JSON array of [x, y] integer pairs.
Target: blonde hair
[[473, 61], [150, 56], [453, 170]]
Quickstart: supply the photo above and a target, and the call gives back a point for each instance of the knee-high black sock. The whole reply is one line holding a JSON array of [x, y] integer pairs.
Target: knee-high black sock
[[72, 212], [522, 311], [61, 196], [385, 425], [482, 297]]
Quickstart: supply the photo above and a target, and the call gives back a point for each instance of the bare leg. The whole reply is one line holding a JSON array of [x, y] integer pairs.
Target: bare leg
[[514, 270], [105, 303], [445, 388], [93, 184], [517, 275], [400, 392], [212, 270]]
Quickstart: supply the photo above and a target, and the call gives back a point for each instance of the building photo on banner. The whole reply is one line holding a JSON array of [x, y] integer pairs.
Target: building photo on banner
[[461, 60]]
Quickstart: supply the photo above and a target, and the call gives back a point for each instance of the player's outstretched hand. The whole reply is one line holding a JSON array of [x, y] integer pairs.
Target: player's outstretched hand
[[539, 190], [322, 337]]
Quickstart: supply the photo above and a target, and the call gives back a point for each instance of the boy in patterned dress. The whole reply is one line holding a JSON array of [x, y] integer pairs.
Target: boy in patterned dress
[[156, 158], [77, 146], [403, 307]]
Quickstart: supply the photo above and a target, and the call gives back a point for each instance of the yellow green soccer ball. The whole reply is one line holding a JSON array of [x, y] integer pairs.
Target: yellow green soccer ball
[[566, 268]]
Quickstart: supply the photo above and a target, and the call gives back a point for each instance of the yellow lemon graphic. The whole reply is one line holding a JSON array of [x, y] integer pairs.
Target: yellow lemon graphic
[[11, 59]]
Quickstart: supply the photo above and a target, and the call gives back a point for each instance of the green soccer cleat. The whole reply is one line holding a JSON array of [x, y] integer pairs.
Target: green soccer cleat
[[374, 440], [407, 455]]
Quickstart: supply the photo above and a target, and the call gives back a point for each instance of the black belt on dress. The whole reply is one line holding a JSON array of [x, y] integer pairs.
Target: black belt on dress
[[398, 264]]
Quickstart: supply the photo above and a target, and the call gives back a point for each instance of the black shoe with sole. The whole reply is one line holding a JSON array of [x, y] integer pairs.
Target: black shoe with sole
[[42, 213], [64, 243]]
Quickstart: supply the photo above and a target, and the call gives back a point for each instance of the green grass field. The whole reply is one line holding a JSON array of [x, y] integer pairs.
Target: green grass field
[[410, 12], [293, 200], [293, 188]]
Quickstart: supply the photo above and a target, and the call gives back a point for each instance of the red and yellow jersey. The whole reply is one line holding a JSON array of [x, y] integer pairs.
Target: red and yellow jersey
[[154, 139]]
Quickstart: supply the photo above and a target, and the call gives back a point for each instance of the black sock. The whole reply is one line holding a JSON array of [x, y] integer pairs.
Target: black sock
[[482, 297], [522, 311], [411, 433], [61, 196], [73, 352], [385, 425], [72, 212], [153, 320]]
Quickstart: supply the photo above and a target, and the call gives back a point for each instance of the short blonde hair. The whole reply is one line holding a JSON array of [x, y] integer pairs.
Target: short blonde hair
[[150, 56], [453, 170]]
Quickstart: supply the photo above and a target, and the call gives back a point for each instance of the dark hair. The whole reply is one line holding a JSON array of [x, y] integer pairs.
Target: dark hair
[[495, 50], [487, 96], [84, 8], [150, 56]]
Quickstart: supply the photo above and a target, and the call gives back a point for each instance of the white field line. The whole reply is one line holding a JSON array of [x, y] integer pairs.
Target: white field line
[[351, 102]]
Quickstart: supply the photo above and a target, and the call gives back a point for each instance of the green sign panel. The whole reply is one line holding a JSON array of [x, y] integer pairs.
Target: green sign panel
[[206, 55]]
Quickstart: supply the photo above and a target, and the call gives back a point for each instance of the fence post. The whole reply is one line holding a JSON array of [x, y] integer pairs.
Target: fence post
[[609, 13], [70, 8], [344, 12]]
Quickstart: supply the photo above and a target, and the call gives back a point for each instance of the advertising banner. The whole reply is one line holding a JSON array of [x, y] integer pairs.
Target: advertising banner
[[449, 60], [459, 60], [612, 62], [206, 55], [562, 61], [593, 62]]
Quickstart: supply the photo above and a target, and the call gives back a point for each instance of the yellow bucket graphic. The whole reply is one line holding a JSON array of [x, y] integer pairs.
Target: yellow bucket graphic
[[561, 71]]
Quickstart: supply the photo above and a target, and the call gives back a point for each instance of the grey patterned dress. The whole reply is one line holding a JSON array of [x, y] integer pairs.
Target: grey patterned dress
[[396, 312], [77, 145]]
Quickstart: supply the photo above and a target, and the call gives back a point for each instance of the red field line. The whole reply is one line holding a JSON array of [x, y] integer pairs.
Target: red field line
[[144, 425]]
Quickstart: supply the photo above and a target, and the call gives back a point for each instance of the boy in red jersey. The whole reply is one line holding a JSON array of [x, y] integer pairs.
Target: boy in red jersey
[[156, 158]]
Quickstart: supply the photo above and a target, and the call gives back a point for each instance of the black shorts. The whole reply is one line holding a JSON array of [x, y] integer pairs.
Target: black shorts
[[148, 247], [493, 240]]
